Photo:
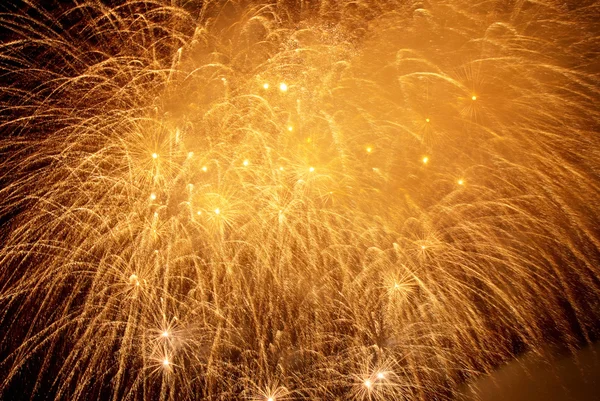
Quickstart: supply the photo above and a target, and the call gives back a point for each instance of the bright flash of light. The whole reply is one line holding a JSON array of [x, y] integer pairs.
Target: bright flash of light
[[133, 279]]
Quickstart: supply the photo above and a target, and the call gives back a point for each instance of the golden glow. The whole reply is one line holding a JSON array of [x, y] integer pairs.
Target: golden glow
[[133, 279], [258, 281]]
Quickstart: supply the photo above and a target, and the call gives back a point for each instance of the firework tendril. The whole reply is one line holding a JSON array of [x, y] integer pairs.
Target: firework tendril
[[293, 200]]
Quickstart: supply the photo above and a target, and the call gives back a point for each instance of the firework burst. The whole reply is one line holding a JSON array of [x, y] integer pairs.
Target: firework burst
[[293, 200]]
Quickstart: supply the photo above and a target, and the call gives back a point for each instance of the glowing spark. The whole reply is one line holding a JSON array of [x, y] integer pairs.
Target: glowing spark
[[380, 376], [204, 168], [217, 211], [427, 120], [155, 155], [311, 169], [165, 334], [283, 87], [473, 97], [369, 149], [290, 128], [425, 160], [246, 162], [199, 212], [368, 383], [280, 168], [266, 85], [190, 155], [153, 196], [460, 182], [166, 362]]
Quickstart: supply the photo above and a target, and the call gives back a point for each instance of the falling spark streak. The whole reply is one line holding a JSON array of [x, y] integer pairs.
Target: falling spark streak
[[230, 200]]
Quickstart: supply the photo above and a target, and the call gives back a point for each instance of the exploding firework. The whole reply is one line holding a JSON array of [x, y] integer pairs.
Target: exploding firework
[[293, 200]]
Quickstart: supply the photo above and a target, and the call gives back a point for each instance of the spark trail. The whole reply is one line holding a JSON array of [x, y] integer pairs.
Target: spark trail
[[293, 200]]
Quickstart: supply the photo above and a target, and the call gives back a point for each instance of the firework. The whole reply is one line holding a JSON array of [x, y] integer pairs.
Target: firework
[[293, 200]]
